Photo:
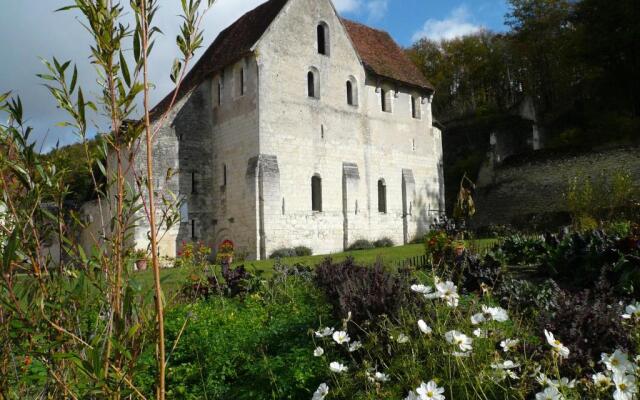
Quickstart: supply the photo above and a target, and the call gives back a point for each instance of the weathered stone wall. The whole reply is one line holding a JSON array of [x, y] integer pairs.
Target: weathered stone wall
[[522, 188], [321, 136]]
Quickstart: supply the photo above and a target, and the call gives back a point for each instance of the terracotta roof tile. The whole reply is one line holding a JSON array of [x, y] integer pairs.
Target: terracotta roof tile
[[382, 56]]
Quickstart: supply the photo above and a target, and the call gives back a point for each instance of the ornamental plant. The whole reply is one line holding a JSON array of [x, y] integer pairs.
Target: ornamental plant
[[438, 245]]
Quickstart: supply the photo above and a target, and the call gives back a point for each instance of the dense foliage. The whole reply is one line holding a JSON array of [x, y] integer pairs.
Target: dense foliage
[[578, 60]]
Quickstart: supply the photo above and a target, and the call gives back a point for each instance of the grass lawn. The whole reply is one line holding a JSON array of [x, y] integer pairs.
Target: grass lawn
[[172, 278]]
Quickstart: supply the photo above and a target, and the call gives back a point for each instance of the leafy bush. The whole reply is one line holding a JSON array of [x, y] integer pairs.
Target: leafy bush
[[384, 242], [283, 253], [236, 282], [361, 244], [589, 320], [257, 348], [300, 251], [521, 250], [365, 292]]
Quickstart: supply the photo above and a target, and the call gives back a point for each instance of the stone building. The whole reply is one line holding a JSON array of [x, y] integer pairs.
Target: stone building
[[299, 128]]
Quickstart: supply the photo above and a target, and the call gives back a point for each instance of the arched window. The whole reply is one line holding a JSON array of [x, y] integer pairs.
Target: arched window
[[382, 196], [323, 39], [352, 92], [316, 193], [313, 84]]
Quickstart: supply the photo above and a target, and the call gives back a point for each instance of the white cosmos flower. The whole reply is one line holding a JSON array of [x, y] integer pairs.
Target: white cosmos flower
[[459, 339], [478, 318], [618, 362], [424, 328], [324, 332], [430, 391], [318, 352], [422, 289], [601, 381], [509, 344], [355, 345], [557, 346], [507, 364], [412, 396], [341, 337], [402, 338], [543, 380], [632, 311], [337, 367], [549, 393], [321, 392], [479, 333], [381, 377], [497, 313], [449, 292], [563, 383], [625, 387]]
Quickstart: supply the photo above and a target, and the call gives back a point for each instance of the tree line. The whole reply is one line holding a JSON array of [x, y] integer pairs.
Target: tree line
[[578, 60]]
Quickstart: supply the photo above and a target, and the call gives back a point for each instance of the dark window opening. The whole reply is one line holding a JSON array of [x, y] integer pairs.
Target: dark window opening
[[414, 107], [224, 175], [382, 196], [311, 84], [349, 93], [316, 194], [322, 42], [383, 99], [193, 229], [219, 93], [194, 183], [241, 81]]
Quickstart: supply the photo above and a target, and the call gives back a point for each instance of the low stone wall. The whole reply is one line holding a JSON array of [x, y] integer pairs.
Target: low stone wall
[[530, 188]]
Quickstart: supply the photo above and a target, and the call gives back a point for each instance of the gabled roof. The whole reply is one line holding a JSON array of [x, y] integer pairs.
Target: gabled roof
[[377, 50], [382, 56], [231, 45]]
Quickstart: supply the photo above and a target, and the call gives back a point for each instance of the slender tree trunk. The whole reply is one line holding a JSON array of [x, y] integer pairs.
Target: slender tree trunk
[[152, 208]]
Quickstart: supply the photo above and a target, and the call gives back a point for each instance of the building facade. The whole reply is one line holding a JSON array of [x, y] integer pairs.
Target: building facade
[[298, 128]]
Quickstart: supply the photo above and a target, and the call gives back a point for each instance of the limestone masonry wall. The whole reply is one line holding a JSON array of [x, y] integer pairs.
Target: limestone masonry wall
[[517, 190]]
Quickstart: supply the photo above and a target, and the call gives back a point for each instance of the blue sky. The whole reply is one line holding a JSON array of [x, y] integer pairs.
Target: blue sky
[[408, 19], [44, 33]]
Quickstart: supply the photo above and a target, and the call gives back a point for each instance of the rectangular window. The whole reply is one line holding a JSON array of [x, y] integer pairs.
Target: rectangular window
[[415, 107], [193, 230], [241, 81], [316, 194], [224, 175], [219, 93], [382, 196], [383, 99]]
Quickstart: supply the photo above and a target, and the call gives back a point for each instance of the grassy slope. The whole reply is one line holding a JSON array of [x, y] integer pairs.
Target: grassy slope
[[171, 278]]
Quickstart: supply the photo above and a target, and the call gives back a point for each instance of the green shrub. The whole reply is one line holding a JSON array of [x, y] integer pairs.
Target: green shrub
[[361, 244], [302, 251], [256, 348], [384, 242], [283, 253]]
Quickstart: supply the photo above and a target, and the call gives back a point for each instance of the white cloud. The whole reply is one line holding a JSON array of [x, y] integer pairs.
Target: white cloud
[[458, 23], [377, 9], [346, 6]]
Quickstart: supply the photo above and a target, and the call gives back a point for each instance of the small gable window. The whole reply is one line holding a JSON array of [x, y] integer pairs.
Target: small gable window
[[385, 100], [382, 196], [316, 193], [415, 107], [323, 38], [313, 84]]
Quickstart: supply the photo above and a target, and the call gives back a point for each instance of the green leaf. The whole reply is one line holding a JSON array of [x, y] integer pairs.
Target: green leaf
[[10, 250], [125, 70], [74, 79]]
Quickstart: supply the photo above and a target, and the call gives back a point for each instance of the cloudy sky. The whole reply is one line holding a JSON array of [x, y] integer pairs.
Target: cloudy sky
[[30, 29]]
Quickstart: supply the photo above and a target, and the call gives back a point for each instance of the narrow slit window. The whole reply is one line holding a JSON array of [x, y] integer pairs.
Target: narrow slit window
[[194, 183], [193, 229], [219, 93], [311, 84], [383, 99], [415, 107], [349, 93], [224, 175], [241, 82], [382, 196], [316, 193]]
